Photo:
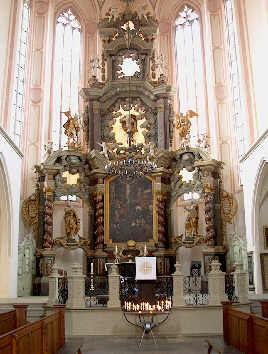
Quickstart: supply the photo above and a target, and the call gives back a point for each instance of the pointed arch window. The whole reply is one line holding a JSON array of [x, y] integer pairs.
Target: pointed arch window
[[66, 75], [190, 69], [17, 111], [235, 78]]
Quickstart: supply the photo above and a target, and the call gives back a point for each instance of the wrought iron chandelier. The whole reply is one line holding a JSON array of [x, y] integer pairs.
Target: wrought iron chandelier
[[133, 161], [131, 164]]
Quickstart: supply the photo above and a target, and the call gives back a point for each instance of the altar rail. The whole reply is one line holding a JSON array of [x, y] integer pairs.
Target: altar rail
[[13, 319], [46, 336], [244, 331]]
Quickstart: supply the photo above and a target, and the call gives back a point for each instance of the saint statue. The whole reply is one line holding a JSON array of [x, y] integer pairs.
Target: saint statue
[[71, 130], [191, 222], [184, 124], [72, 224]]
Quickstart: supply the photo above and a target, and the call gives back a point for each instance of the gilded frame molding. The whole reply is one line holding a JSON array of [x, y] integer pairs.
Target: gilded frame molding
[[109, 242]]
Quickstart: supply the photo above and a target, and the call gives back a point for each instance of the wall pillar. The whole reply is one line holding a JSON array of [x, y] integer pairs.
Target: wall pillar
[[34, 112], [76, 288], [113, 279], [216, 285], [178, 295]]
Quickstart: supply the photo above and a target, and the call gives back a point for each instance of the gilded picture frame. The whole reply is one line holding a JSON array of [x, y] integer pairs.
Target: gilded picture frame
[[264, 271], [108, 239], [265, 237]]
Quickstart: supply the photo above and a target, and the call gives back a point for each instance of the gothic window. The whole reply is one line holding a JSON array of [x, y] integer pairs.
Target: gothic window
[[190, 69], [66, 74], [233, 61], [17, 112]]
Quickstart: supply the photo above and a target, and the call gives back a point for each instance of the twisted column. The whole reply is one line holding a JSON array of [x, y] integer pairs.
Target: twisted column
[[161, 220], [48, 225], [99, 223], [210, 232]]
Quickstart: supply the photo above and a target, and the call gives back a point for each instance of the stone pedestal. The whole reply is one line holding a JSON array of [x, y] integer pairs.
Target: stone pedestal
[[178, 296], [76, 288], [113, 279], [53, 286], [241, 283], [216, 285]]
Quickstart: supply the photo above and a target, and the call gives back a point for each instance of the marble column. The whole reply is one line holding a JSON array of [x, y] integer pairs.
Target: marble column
[[53, 286], [76, 288], [241, 283], [216, 285], [178, 295], [114, 284]]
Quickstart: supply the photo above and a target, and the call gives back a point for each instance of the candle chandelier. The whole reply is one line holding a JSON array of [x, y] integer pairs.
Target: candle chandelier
[[135, 160]]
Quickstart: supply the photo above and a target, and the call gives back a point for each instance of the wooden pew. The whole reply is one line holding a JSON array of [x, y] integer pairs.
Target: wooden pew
[[246, 332], [13, 319], [46, 336]]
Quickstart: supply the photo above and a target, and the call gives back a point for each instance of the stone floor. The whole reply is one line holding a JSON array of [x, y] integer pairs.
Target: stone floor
[[119, 345]]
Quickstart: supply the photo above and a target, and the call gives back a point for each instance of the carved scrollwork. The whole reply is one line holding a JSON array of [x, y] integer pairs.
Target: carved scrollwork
[[30, 209], [228, 206]]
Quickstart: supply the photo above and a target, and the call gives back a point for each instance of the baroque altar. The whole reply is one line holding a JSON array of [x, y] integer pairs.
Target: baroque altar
[[128, 117]]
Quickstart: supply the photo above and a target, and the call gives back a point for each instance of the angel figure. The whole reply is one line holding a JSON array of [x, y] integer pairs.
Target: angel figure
[[71, 130], [184, 124]]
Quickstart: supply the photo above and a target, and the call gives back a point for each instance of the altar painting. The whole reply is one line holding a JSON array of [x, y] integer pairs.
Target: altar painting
[[129, 210]]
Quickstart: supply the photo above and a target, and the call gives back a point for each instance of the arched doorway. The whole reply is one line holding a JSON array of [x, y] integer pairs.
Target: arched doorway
[[6, 231], [260, 220]]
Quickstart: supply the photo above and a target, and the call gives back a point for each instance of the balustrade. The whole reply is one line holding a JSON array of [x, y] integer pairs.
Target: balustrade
[[194, 290]]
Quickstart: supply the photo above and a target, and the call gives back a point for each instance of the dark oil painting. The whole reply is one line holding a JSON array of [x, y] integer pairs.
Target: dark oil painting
[[131, 210]]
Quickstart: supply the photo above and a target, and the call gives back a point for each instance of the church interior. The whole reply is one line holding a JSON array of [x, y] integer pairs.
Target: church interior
[[133, 176]]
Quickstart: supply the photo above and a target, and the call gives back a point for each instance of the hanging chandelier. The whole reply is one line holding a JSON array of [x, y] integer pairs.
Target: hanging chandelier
[[131, 163]]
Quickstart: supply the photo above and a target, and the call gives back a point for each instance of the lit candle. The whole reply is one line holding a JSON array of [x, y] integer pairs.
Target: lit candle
[[91, 268], [116, 250]]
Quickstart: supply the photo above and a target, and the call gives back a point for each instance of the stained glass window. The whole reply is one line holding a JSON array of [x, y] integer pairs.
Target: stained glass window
[[233, 60], [190, 69], [66, 73], [17, 112]]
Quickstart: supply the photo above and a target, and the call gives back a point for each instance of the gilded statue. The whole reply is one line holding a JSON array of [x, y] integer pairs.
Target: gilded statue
[[30, 207], [184, 124], [72, 224], [71, 130], [191, 222]]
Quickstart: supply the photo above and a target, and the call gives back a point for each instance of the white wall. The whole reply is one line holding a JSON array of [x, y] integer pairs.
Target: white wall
[[10, 184], [254, 167]]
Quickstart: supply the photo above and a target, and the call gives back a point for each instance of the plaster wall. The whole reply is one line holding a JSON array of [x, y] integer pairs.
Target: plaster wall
[[10, 184]]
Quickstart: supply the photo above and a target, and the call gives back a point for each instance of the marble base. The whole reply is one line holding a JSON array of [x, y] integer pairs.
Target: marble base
[[186, 321]]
